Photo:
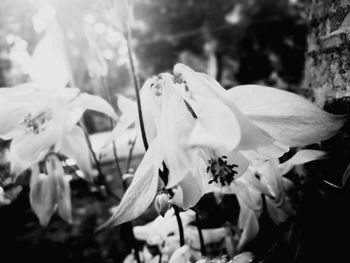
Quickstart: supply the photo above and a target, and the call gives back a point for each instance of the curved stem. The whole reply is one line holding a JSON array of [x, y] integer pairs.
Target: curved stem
[[137, 89], [179, 223]]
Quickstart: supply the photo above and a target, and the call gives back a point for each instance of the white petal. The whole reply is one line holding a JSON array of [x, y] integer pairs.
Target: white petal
[[203, 86], [95, 103], [287, 117], [175, 124], [32, 145], [301, 157], [43, 195], [49, 66], [216, 127], [11, 114], [141, 191], [181, 255], [54, 168], [74, 145], [192, 191]]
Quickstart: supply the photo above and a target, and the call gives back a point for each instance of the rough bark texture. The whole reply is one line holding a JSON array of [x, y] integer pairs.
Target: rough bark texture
[[327, 68], [324, 221]]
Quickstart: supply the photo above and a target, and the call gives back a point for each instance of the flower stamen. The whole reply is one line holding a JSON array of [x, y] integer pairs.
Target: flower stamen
[[35, 123], [221, 171]]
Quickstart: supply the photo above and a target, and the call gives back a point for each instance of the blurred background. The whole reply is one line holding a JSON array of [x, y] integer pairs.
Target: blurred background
[[235, 41]]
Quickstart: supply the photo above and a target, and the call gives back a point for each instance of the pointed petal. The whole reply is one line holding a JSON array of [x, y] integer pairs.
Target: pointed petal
[[74, 145], [64, 199], [287, 117], [49, 66], [301, 157], [141, 191], [43, 195], [55, 169], [92, 102]]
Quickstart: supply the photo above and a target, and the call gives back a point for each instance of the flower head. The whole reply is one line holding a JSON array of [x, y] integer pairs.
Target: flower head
[[193, 123], [39, 120]]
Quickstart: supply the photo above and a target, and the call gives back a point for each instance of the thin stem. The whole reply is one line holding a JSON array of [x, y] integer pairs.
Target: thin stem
[[101, 177], [116, 159], [179, 223], [137, 88], [200, 234], [109, 99], [131, 149]]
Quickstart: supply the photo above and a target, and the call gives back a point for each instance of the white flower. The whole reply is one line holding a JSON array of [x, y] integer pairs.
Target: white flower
[[39, 119], [193, 123]]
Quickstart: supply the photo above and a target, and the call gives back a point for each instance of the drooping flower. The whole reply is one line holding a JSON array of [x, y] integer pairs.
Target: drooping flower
[[198, 132], [39, 120]]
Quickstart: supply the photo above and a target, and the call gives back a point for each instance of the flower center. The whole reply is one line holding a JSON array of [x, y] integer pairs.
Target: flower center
[[36, 123], [221, 171]]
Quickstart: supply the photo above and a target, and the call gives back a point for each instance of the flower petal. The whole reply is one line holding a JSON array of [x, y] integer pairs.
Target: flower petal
[[54, 168], [141, 191], [301, 157], [31, 145], [216, 127], [204, 86], [74, 145], [95, 103], [287, 117], [175, 123], [181, 255], [43, 195], [11, 114], [49, 66]]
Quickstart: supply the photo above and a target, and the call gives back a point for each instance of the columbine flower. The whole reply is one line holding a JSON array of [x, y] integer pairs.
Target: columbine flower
[[199, 131], [39, 119]]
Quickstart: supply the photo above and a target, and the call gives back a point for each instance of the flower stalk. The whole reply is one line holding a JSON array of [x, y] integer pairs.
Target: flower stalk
[[137, 87]]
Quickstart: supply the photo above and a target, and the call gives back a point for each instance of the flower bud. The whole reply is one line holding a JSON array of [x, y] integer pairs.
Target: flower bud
[[162, 204]]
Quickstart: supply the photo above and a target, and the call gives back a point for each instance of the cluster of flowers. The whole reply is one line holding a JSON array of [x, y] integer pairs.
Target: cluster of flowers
[[204, 138], [42, 122]]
